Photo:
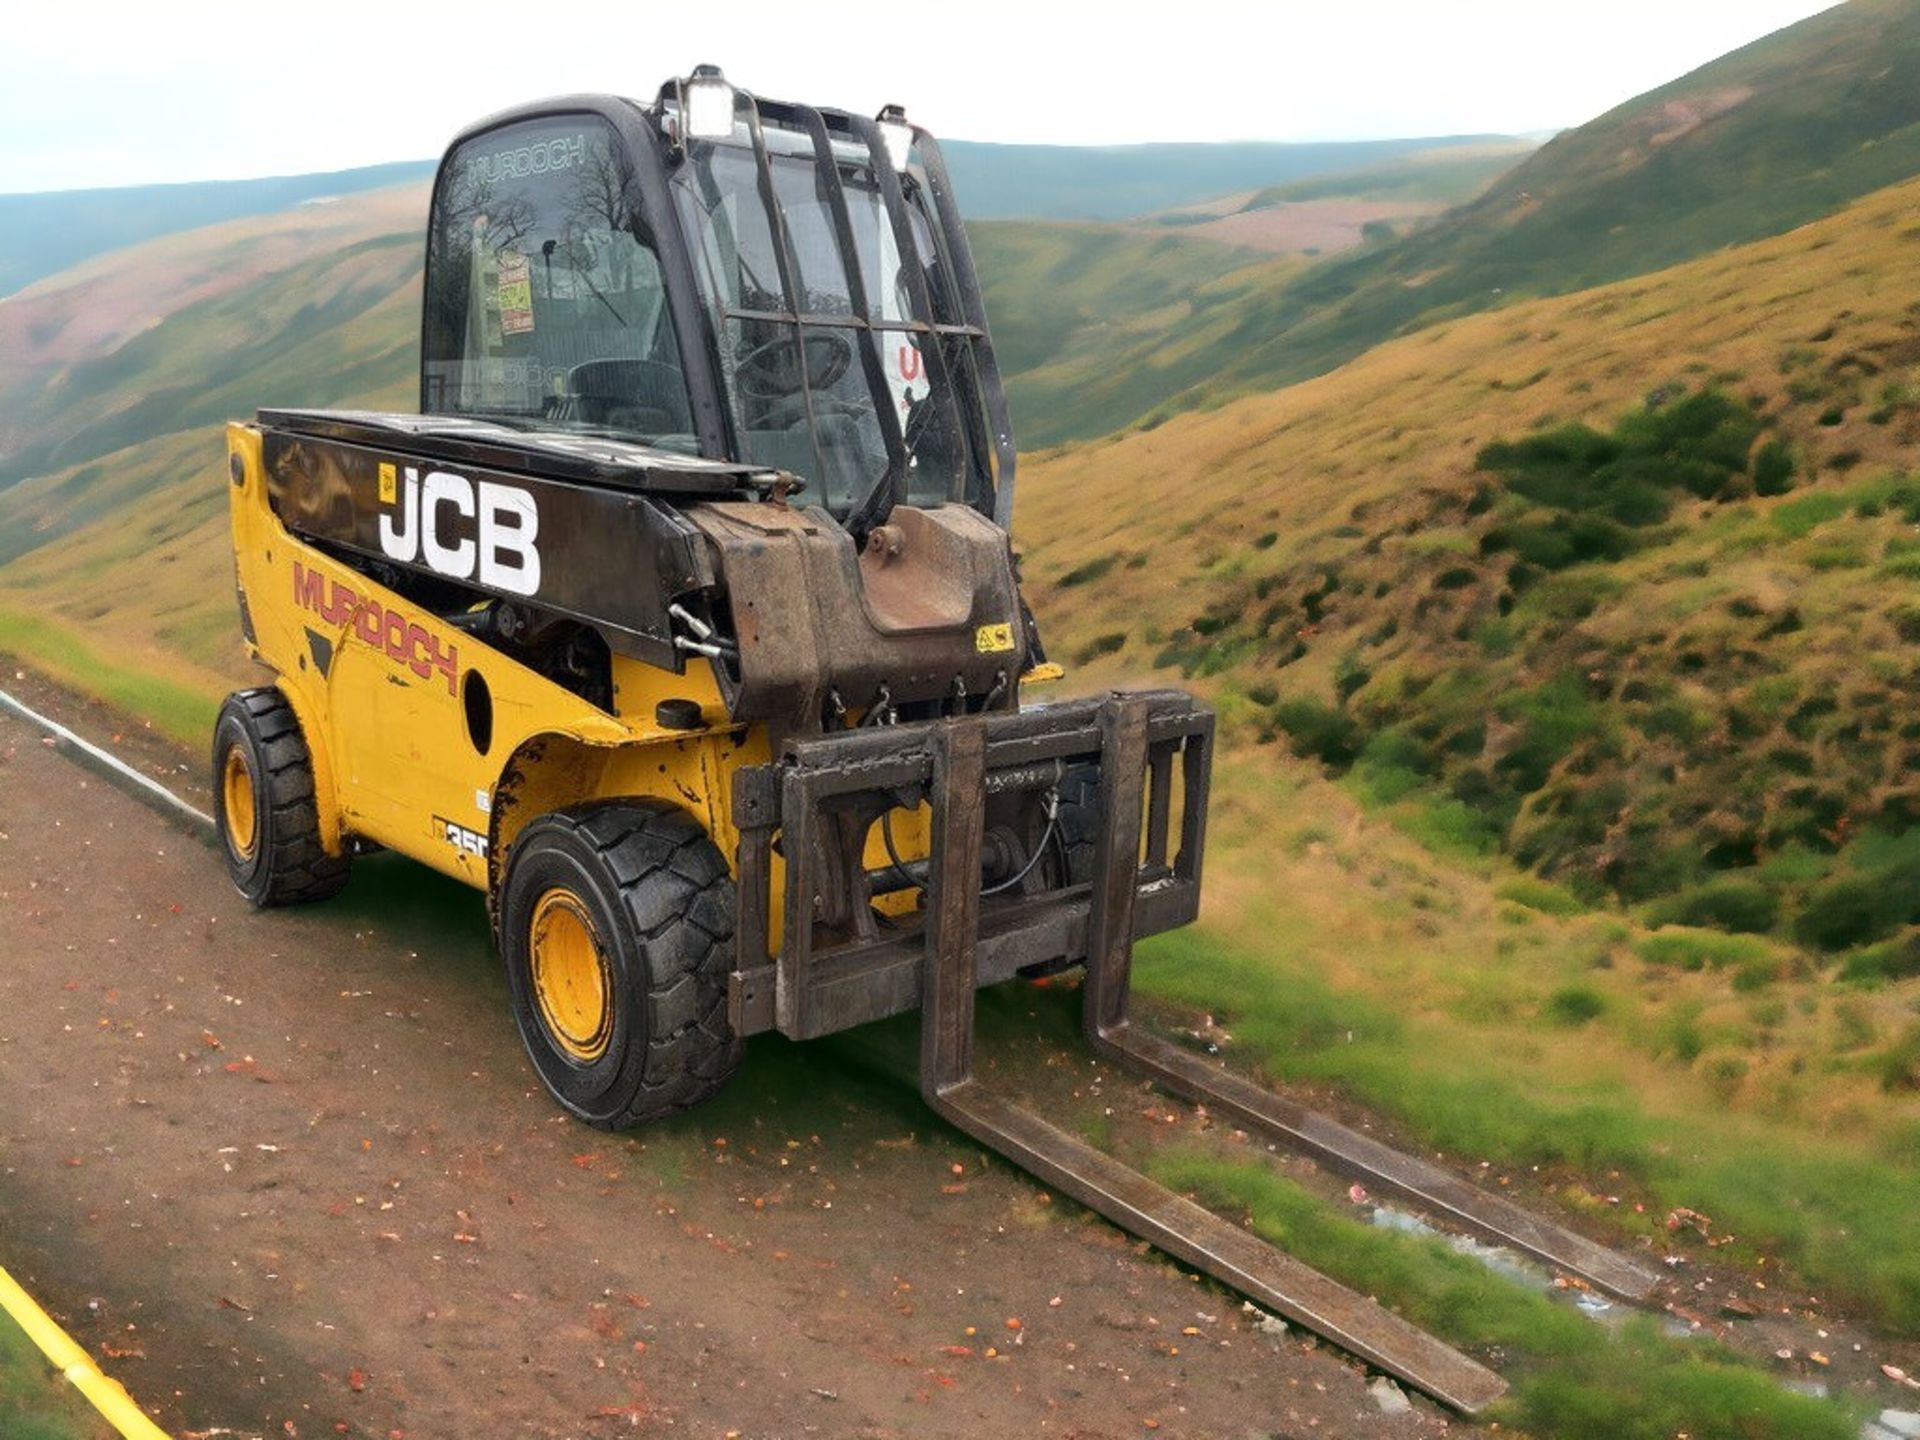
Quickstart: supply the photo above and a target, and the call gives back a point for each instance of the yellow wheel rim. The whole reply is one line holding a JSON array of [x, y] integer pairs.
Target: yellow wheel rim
[[572, 982], [236, 799]]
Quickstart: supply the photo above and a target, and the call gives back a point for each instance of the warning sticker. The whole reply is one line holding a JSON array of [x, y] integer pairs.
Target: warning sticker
[[516, 293], [992, 639]]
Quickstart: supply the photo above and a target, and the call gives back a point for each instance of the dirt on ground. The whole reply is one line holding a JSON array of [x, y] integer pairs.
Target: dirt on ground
[[289, 1173]]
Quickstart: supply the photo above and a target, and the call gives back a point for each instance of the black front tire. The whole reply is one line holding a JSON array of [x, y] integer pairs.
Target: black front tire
[[264, 806], [653, 892]]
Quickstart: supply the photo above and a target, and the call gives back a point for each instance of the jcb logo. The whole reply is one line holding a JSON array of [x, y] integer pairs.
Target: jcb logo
[[481, 532]]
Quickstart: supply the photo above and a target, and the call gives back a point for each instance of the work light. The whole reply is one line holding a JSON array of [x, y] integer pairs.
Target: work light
[[897, 133], [706, 101]]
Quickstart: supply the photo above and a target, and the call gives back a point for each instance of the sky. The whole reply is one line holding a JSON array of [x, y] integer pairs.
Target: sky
[[94, 93]]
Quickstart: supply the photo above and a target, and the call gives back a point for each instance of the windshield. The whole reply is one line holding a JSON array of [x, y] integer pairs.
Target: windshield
[[545, 302], [816, 342]]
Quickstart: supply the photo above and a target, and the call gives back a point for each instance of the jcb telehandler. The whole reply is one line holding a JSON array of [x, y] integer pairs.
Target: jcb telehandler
[[683, 621]]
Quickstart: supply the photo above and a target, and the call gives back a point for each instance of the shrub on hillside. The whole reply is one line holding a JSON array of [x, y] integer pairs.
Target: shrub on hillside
[[1847, 911], [1560, 541], [1900, 1065], [1773, 468], [1697, 444], [1541, 895], [1893, 960], [1700, 949], [1086, 574], [1552, 719], [1575, 1005], [1317, 731], [1392, 765], [1742, 906], [1107, 644]]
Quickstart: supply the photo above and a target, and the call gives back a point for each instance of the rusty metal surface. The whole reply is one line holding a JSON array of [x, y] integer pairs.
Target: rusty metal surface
[[831, 972], [813, 621], [1116, 860], [1223, 1250], [917, 574], [1177, 1225], [948, 977]]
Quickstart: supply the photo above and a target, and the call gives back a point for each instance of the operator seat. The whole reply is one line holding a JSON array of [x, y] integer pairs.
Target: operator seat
[[644, 396]]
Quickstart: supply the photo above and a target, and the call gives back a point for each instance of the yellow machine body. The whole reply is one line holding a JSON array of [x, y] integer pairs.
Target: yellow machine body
[[440, 747]]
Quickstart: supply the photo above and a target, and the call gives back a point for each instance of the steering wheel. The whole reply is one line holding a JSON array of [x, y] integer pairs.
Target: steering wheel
[[770, 371]]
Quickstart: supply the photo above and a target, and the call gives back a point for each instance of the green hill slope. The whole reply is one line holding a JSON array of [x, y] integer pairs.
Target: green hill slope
[[47, 232], [1113, 182], [1453, 176], [1094, 323], [1616, 583], [1763, 139], [194, 327]]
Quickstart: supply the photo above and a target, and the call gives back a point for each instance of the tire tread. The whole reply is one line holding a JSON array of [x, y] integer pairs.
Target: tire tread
[[298, 868], [677, 894]]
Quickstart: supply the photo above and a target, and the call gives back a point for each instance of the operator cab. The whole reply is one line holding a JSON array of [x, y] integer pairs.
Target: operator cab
[[717, 275]]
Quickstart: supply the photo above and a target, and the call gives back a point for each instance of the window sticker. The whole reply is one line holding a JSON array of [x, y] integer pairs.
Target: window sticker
[[516, 294]]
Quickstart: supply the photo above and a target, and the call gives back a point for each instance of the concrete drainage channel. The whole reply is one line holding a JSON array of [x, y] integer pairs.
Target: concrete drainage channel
[[142, 787]]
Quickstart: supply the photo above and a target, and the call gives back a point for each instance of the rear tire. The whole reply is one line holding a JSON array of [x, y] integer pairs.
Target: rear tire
[[264, 808], [616, 927]]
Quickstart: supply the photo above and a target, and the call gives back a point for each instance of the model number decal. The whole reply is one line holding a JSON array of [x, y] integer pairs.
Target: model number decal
[[406, 642], [470, 531], [467, 842]]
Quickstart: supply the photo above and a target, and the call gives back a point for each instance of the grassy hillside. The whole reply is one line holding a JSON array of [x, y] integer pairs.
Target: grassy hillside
[[1085, 317], [1326, 214], [193, 328], [116, 378], [1653, 597], [1450, 176], [51, 231], [1760, 140], [1665, 663]]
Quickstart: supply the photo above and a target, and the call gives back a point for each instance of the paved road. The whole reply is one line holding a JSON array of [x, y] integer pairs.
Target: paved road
[[289, 1174]]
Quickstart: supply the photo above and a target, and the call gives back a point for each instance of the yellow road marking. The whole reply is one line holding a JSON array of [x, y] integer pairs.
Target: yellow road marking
[[66, 1356]]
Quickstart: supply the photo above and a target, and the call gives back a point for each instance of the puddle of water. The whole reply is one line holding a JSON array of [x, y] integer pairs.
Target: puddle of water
[[1518, 1268], [1497, 1258], [1523, 1271]]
